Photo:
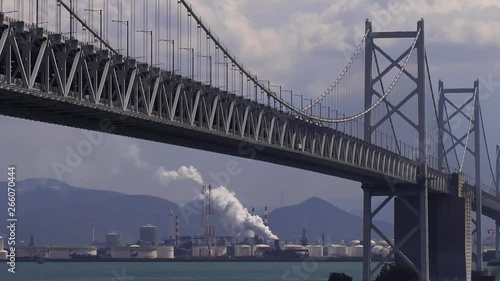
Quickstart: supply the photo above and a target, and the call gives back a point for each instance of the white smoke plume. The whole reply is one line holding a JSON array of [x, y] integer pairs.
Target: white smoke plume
[[234, 216], [183, 173]]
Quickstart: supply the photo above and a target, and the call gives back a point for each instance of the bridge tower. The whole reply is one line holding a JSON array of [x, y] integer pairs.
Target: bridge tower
[[413, 198], [497, 221], [455, 144]]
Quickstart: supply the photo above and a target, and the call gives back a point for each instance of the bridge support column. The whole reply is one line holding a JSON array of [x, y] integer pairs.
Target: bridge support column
[[367, 231], [450, 239]]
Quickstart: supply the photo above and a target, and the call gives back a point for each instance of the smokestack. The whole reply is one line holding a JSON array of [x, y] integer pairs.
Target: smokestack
[[93, 233], [253, 211], [176, 231], [265, 217], [277, 245]]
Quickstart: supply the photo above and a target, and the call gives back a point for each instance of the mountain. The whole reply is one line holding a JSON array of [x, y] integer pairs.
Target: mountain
[[58, 213], [319, 217]]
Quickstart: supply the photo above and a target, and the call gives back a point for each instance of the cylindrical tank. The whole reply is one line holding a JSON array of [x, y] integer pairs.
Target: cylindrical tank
[[355, 242], [384, 252], [62, 253], [337, 251], [112, 239], [315, 250], [383, 243], [201, 251], [358, 251], [220, 251], [260, 249], [242, 250], [1, 243], [165, 252], [373, 243], [376, 250], [3, 255], [134, 252], [297, 248]]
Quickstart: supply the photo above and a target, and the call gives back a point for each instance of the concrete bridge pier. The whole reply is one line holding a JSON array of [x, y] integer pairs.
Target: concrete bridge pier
[[450, 235], [448, 222]]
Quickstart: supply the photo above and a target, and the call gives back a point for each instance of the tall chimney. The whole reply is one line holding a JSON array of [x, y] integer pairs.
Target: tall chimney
[[253, 211], [265, 217], [176, 231], [93, 233]]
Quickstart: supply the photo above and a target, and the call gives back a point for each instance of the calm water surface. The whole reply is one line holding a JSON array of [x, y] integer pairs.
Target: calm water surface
[[182, 271]]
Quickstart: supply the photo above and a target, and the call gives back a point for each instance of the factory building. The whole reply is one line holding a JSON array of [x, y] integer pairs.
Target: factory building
[[112, 239], [134, 252], [148, 234]]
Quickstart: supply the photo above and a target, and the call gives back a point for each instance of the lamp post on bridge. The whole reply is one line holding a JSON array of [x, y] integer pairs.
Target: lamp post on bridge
[[192, 60], [281, 105], [209, 57], [173, 52], [150, 32], [269, 88], [291, 96], [99, 11], [126, 23]]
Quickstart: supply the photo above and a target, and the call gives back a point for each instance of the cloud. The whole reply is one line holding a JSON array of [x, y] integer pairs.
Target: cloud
[[183, 173]]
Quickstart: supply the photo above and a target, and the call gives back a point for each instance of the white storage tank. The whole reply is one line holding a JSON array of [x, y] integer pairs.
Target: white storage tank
[[373, 243], [298, 248], [358, 251], [220, 251], [165, 252], [315, 250], [337, 251], [383, 243], [64, 253], [354, 242], [3, 255], [202, 251], [32, 252], [376, 250], [260, 249], [242, 251], [384, 252], [134, 252]]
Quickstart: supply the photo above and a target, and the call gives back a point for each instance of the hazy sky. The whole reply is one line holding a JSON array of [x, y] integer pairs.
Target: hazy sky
[[302, 45]]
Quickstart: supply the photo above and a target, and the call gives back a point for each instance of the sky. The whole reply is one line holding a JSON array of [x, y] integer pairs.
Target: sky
[[302, 45]]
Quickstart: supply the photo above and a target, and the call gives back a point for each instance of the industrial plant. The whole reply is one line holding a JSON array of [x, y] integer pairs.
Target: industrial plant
[[252, 240]]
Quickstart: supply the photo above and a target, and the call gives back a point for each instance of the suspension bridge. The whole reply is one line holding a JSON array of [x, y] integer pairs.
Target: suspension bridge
[[163, 75]]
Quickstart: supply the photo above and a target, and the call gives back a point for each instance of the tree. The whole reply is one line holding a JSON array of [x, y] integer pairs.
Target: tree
[[336, 276], [396, 272]]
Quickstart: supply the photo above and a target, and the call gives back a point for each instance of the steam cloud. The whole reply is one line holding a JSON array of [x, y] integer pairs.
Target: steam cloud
[[234, 216], [183, 173]]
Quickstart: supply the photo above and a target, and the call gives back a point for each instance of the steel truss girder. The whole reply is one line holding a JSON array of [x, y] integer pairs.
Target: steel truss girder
[[71, 72]]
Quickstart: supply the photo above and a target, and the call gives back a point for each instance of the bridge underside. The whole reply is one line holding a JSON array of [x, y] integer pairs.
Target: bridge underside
[[28, 106]]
